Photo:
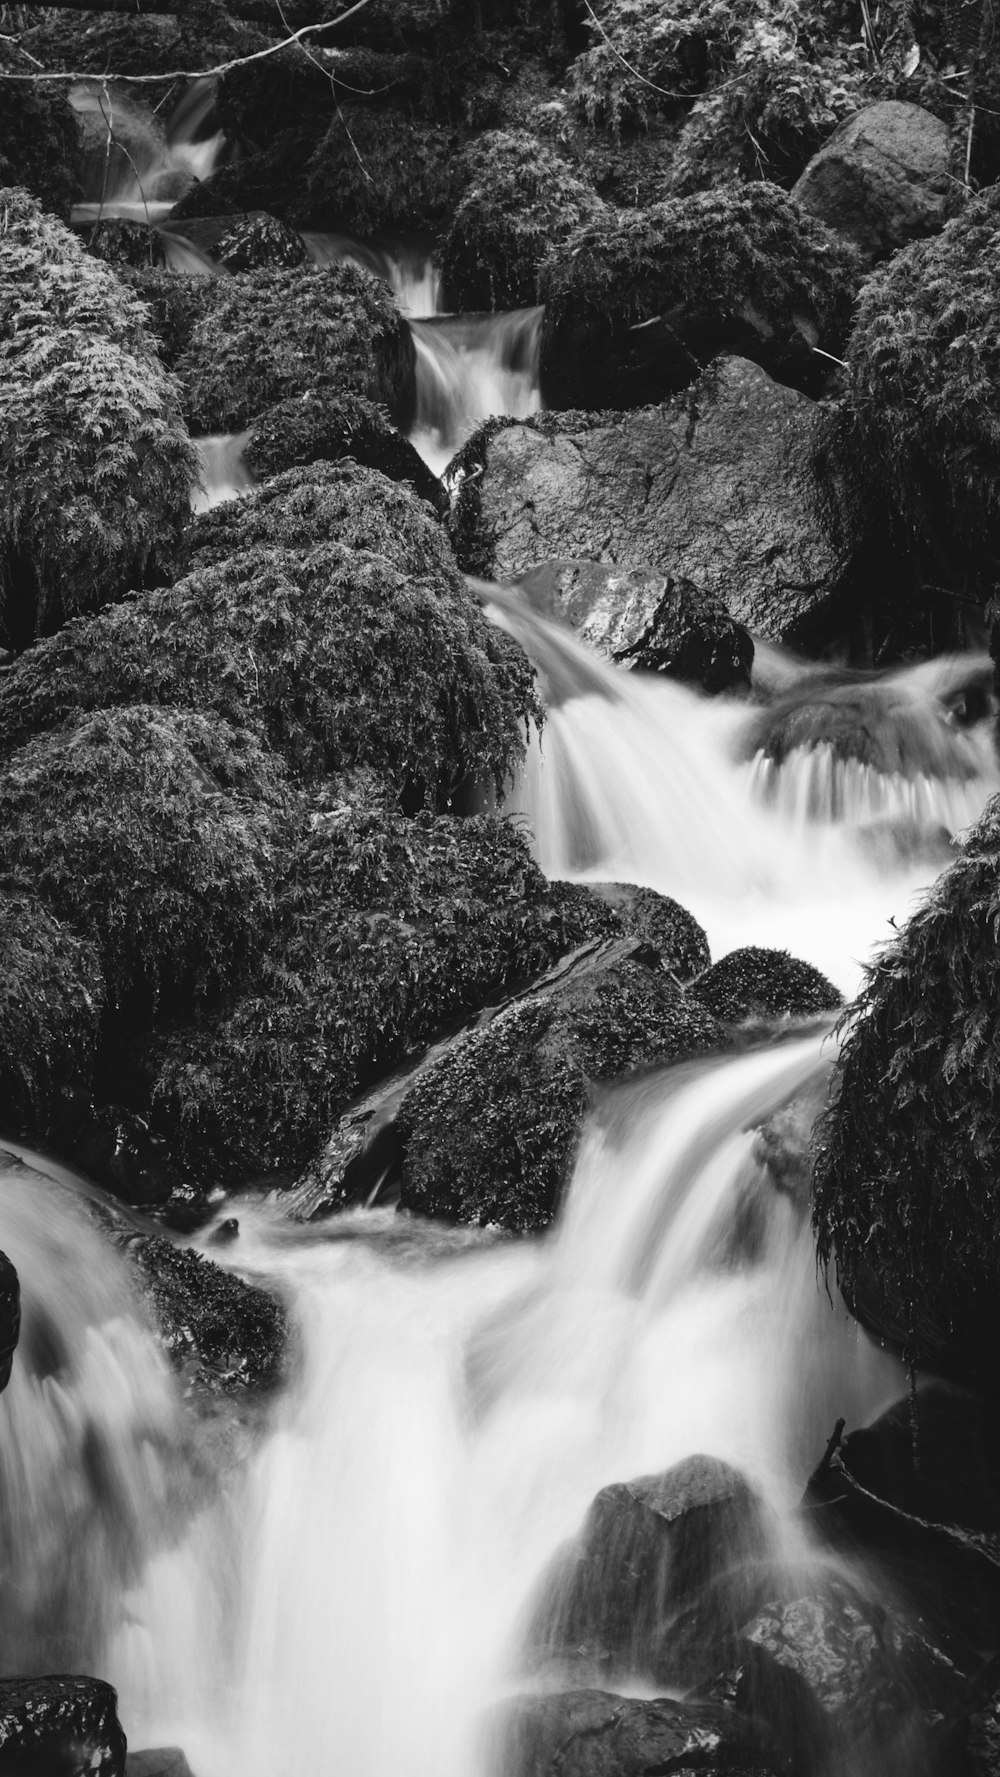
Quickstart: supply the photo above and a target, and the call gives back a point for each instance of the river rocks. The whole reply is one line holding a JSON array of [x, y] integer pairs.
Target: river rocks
[[327, 428], [60, 1725], [645, 620], [158, 1761], [753, 983], [598, 1734], [637, 302], [93, 452], [661, 924], [490, 1132], [245, 242], [882, 179], [222, 1333], [714, 488], [662, 1574]]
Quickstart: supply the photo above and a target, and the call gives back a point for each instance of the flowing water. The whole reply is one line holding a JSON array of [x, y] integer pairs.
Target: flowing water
[[136, 167]]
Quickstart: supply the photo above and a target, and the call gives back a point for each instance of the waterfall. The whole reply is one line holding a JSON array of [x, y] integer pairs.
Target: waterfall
[[136, 168], [470, 367], [223, 474]]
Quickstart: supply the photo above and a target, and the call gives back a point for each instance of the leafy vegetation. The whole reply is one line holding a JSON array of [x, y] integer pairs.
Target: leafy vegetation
[[906, 1186], [375, 170], [521, 201], [95, 462], [645, 45], [152, 833], [388, 929], [753, 983], [915, 445], [40, 144], [271, 334], [490, 1131], [51, 995]]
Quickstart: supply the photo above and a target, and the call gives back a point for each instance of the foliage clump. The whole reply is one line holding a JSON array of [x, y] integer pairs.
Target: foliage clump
[[328, 428], [269, 335], [490, 1131], [643, 45], [51, 997], [522, 201], [388, 929], [907, 1192], [152, 833], [376, 170], [916, 442], [95, 462], [40, 144], [218, 1329], [753, 983]]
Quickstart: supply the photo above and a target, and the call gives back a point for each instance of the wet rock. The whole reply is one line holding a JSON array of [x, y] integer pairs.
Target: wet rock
[[714, 488], [754, 983], [245, 243], [158, 1761], [659, 1579], [490, 1132], [935, 1455], [10, 1317], [62, 1727], [643, 619], [584, 1733], [223, 1333], [882, 179], [313, 428]]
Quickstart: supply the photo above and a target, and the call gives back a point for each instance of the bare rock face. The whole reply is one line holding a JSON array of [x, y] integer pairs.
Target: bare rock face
[[66, 1726], [597, 1734], [714, 487], [882, 178]]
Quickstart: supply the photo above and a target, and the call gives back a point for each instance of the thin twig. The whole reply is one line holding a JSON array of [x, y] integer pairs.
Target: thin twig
[[662, 90], [108, 117]]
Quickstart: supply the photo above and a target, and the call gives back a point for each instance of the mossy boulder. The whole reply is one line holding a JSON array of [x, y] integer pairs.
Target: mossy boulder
[[222, 1333], [490, 1132], [269, 335], [40, 145], [51, 998], [152, 832], [325, 428], [916, 440], [95, 462], [249, 241], [906, 1183], [377, 170], [388, 930], [757, 984], [521, 202], [660, 924], [637, 301], [342, 660]]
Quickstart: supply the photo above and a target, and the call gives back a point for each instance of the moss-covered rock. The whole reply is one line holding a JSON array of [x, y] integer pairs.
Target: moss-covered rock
[[756, 984], [222, 1333], [269, 335], [376, 170], [327, 428], [40, 144], [51, 997], [661, 924], [95, 463], [906, 1183], [644, 53], [245, 242], [389, 929], [521, 202], [636, 301], [916, 441], [491, 1130], [153, 833]]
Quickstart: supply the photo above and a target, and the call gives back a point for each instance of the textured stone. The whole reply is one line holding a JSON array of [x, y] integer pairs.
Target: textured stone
[[60, 1727], [882, 179], [583, 1733]]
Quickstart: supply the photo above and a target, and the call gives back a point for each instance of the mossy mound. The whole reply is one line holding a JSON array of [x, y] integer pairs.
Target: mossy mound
[[119, 243], [343, 661], [153, 833], [51, 996], [94, 459], [916, 442], [753, 984], [490, 1131], [40, 145], [376, 170], [521, 201], [326, 428], [907, 1193], [173, 301], [221, 1332], [661, 924], [390, 928], [644, 53], [741, 268], [251, 241], [269, 335]]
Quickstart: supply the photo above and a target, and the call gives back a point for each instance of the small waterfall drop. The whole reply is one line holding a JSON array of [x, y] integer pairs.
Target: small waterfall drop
[[135, 167], [406, 266], [223, 472], [470, 367]]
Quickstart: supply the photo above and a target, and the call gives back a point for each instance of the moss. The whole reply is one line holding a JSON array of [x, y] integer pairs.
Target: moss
[[221, 1332], [916, 442], [248, 242], [906, 1182], [641, 45], [40, 146], [752, 984], [375, 170], [389, 929], [490, 1131], [173, 301], [326, 428], [521, 202], [717, 252], [51, 995], [661, 924], [152, 832], [94, 459], [269, 335]]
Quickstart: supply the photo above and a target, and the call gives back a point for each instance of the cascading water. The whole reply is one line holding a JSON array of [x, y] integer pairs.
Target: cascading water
[[223, 474], [135, 167], [470, 367]]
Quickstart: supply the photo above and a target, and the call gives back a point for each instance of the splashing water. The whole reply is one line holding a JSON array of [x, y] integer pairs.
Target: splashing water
[[470, 367], [135, 168], [223, 471], [406, 266]]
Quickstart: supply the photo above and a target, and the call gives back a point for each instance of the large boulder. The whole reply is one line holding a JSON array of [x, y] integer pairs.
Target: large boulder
[[646, 620], [754, 983], [884, 178], [585, 1733], [659, 1579], [60, 1724], [715, 488]]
